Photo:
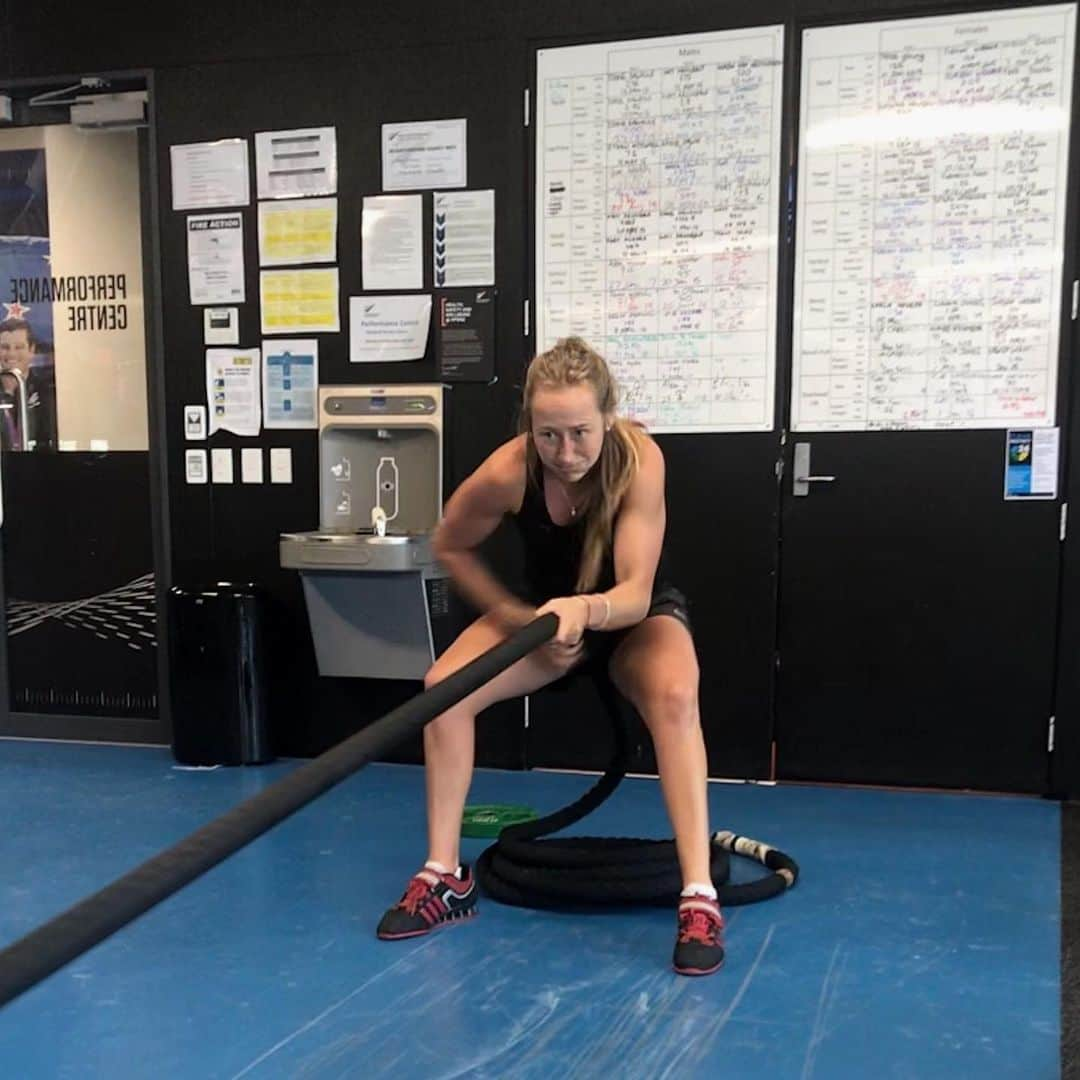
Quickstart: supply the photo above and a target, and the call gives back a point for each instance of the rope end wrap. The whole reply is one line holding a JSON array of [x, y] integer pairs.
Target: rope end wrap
[[743, 845], [782, 865]]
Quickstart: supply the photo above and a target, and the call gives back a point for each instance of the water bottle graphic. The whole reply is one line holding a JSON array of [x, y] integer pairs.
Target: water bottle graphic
[[386, 487]]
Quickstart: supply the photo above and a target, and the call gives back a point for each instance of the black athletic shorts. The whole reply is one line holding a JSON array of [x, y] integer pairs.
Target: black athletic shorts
[[666, 600]]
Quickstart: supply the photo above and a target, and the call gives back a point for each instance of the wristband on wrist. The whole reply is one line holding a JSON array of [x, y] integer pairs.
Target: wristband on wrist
[[592, 623], [588, 610], [607, 612]]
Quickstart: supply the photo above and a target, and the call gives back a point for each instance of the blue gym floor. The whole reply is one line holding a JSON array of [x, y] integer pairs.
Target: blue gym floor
[[921, 941]]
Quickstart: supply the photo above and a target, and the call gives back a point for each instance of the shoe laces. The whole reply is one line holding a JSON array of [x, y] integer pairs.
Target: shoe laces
[[415, 895], [698, 925]]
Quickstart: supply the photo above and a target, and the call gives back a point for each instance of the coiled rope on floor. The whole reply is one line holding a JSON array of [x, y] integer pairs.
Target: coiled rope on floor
[[524, 869]]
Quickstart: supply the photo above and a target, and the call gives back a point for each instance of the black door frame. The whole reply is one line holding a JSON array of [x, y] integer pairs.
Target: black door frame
[[74, 727]]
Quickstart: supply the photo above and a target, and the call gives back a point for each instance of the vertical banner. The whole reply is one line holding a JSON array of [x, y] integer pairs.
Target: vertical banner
[[27, 364]]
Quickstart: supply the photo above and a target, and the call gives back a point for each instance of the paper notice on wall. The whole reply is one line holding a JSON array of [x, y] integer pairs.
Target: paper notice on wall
[[251, 465], [388, 328], [464, 240], [195, 467], [291, 383], [299, 301], [232, 390], [194, 421], [210, 174], [297, 232], [465, 335], [216, 258], [221, 326], [221, 465], [392, 242], [296, 163], [1031, 463], [280, 465], [429, 154]]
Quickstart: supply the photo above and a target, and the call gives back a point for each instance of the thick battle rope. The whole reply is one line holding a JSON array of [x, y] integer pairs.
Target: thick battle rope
[[70, 934], [587, 871], [519, 869]]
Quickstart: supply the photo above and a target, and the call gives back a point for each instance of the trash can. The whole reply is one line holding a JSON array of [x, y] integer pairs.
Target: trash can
[[217, 679]]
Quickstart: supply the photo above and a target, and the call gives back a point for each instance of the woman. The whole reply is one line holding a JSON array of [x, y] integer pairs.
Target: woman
[[586, 489]]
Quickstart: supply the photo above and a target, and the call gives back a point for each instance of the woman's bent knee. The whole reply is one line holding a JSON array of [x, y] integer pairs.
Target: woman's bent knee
[[448, 725], [671, 704], [440, 670]]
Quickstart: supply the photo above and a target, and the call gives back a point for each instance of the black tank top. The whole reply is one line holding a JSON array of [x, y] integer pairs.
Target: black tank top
[[553, 552]]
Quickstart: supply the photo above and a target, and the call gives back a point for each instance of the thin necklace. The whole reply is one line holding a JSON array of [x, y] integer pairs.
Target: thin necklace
[[571, 506]]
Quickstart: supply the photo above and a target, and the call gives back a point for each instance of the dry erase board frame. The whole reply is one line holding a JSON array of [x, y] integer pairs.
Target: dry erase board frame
[[656, 226], [930, 223]]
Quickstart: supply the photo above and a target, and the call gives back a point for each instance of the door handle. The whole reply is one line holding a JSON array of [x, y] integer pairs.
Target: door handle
[[803, 478]]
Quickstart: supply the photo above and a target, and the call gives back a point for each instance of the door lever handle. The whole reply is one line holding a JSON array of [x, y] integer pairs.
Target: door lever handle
[[803, 478]]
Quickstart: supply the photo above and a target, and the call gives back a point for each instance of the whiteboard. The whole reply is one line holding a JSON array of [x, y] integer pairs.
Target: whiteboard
[[657, 201], [930, 224]]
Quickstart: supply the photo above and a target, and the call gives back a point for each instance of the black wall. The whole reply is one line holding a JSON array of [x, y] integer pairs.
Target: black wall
[[232, 69], [233, 532]]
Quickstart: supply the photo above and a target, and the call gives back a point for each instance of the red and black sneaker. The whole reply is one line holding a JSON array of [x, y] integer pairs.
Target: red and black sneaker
[[430, 901], [699, 948]]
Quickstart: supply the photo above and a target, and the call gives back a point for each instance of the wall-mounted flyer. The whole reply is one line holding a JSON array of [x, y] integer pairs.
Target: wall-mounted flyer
[[195, 467], [304, 231], [388, 328], [299, 301], [221, 465], [465, 335], [392, 242], [232, 390], [251, 464], [210, 174], [290, 383], [293, 164], [464, 238], [429, 154], [221, 326], [216, 258], [194, 422], [1031, 463]]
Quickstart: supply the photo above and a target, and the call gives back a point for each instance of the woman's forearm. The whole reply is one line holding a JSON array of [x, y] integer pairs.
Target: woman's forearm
[[623, 605]]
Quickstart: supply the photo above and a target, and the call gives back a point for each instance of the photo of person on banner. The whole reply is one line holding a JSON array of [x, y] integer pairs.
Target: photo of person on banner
[[27, 390], [27, 366]]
